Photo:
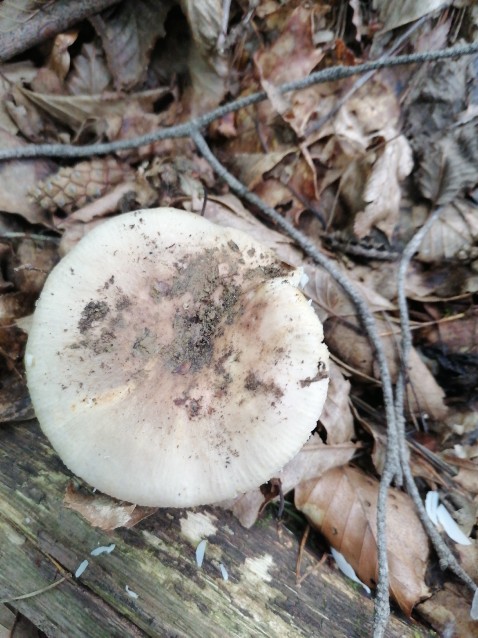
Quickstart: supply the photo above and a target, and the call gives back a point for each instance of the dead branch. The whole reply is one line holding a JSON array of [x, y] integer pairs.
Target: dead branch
[[186, 129], [46, 22]]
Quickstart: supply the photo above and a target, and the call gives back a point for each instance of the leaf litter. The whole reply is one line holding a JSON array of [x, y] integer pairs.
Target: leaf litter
[[359, 177]]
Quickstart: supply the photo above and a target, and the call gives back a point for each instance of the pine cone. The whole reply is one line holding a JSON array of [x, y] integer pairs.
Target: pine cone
[[73, 187]]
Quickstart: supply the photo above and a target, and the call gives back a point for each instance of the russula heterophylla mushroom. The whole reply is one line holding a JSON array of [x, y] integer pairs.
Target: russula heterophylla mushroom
[[174, 362]]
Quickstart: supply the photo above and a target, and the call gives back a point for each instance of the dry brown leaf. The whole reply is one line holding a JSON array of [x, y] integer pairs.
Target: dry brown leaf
[[74, 110], [228, 210], [251, 167], [337, 416], [105, 512], [313, 460], [294, 44], [33, 262], [395, 14], [207, 68], [128, 33], [29, 121], [342, 506], [424, 395], [59, 58], [89, 74], [467, 476], [462, 335], [450, 164], [372, 112], [448, 612], [6, 122], [332, 300], [383, 192], [452, 235], [23, 175], [347, 341]]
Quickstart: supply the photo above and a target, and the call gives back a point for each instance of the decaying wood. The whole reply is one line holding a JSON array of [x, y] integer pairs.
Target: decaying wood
[[41, 541]]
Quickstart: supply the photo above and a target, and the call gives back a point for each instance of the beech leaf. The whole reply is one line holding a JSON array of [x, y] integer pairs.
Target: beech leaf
[[342, 505], [128, 33]]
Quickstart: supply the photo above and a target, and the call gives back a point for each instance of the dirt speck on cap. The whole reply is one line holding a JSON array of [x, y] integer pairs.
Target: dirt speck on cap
[[92, 313], [253, 384]]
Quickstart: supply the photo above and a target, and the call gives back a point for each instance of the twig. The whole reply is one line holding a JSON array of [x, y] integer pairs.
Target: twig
[[186, 129], [37, 592], [446, 557], [392, 465], [44, 23]]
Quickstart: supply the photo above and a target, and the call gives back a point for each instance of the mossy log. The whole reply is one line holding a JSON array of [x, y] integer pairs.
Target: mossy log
[[42, 541]]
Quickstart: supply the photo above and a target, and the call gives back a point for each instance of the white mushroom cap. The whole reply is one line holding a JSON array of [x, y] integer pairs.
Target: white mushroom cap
[[172, 362]]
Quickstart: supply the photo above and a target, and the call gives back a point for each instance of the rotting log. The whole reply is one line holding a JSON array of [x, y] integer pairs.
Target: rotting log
[[41, 541]]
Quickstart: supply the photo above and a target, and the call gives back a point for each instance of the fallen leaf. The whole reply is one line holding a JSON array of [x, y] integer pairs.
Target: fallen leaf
[[59, 58], [228, 210], [449, 164], [396, 14], [313, 460], [104, 511], [24, 174], [75, 110], [294, 44], [342, 506], [336, 416], [89, 74], [334, 302], [452, 235], [382, 192], [137, 192], [207, 67], [128, 33], [346, 340], [448, 611]]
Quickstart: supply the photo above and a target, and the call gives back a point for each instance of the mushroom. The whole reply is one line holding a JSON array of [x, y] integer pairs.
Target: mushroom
[[172, 362]]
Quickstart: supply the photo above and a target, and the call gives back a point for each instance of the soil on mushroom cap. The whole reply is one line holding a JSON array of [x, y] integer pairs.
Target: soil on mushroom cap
[[215, 300]]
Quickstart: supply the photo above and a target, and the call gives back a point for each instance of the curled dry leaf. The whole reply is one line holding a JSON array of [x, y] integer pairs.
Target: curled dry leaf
[[105, 512], [128, 33], [75, 110], [342, 506], [453, 234], [336, 415], [313, 460], [137, 194], [59, 58], [208, 69], [383, 192]]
